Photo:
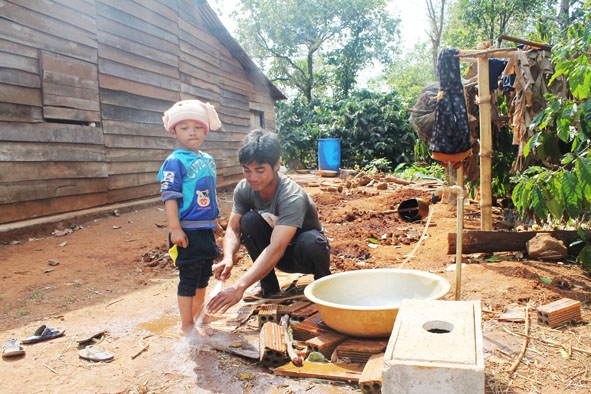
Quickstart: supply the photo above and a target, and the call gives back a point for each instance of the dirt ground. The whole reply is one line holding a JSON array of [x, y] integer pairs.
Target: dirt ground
[[113, 274]]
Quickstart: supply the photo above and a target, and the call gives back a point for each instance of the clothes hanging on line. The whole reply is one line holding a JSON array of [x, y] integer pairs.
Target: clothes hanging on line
[[450, 139]]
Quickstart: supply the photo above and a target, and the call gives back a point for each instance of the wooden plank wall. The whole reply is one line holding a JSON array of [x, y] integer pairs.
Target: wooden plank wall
[[83, 85], [48, 55]]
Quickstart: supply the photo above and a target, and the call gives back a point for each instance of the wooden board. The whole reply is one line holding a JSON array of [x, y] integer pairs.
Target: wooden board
[[131, 193], [139, 88], [15, 151], [50, 188], [20, 113], [334, 371], [73, 12], [131, 128], [133, 179], [138, 61], [56, 27], [30, 209], [23, 171], [228, 342], [127, 18], [20, 95], [147, 14], [127, 45]]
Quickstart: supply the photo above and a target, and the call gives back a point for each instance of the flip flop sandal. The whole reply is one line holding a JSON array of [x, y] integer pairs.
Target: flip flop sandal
[[95, 337], [12, 348], [43, 333], [92, 353]]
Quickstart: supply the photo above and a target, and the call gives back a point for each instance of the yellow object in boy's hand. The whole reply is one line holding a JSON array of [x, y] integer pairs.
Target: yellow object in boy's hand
[[173, 253]]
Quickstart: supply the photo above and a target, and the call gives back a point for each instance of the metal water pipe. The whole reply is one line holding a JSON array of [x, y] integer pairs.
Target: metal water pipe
[[459, 230]]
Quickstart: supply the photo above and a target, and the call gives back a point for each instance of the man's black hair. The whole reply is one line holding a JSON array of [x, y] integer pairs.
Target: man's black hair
[[260, 146]]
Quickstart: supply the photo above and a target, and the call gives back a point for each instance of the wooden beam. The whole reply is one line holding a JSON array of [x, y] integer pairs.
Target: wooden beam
[[535, 44], [503, 241]]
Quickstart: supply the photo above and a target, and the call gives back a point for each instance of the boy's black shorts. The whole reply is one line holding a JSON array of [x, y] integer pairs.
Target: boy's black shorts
[[194, 262]]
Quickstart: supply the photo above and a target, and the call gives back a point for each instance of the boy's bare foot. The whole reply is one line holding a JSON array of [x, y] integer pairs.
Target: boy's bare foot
[[188, 331], [204, 331]]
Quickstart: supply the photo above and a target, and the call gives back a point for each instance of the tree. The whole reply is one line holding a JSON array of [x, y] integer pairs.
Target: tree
[[436, 21], [557, 188], [309, 45], [489, 19], [409, 75]]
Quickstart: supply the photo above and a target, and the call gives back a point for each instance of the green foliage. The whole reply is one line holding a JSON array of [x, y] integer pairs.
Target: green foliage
[[472, 21], [373, 129], [504, 153], [377, 166], [415, 172], [558, 188], [421, 152]]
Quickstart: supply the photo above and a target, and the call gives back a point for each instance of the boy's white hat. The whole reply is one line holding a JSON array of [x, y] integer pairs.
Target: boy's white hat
[[198, 111]]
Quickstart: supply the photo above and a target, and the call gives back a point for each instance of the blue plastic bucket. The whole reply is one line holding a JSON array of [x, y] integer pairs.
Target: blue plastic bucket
[[329, 154]]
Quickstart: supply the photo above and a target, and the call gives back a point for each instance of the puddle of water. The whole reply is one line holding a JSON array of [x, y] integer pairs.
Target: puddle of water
[[164, 325]]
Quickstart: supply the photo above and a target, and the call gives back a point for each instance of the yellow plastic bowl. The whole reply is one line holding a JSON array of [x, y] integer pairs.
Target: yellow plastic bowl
[[365, 303]]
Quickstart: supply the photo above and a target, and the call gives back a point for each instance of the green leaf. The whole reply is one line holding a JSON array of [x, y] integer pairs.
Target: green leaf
[[546, 280], [555, 200], [584, 258], [531, 144], [573, 198], [373, 241], [583, 171], [539, 202], [580, 78], [517, 195]]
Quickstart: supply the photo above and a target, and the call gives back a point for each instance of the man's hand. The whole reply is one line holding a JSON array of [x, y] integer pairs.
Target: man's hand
[[224, 300], [222, 270]]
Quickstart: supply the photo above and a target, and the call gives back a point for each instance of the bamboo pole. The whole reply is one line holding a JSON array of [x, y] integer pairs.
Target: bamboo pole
[[485, 145]]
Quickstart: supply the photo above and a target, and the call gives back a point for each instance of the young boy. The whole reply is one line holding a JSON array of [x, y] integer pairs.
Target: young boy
[[188, 189]]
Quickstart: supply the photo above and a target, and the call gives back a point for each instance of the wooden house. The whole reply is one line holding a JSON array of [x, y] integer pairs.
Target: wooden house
[[84, 83]]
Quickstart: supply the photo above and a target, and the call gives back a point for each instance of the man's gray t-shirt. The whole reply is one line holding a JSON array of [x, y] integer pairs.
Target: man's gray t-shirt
[[291, 205]]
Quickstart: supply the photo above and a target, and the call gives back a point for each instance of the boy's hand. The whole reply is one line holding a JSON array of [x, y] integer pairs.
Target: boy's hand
[[179, 238]]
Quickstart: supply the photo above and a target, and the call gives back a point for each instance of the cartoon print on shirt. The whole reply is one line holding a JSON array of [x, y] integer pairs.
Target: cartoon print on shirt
[[202, 197]]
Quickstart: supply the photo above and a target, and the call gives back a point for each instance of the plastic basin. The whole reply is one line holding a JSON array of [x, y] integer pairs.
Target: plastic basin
[[365, 303]]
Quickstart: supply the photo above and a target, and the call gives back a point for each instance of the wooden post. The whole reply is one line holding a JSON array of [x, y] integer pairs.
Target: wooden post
[[485, 145], [460, 230]]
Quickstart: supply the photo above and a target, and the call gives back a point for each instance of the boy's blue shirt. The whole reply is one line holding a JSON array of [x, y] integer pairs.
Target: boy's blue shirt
[[191, 178]]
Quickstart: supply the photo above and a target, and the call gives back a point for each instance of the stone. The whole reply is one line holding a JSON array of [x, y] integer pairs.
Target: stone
[[546, 247]]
